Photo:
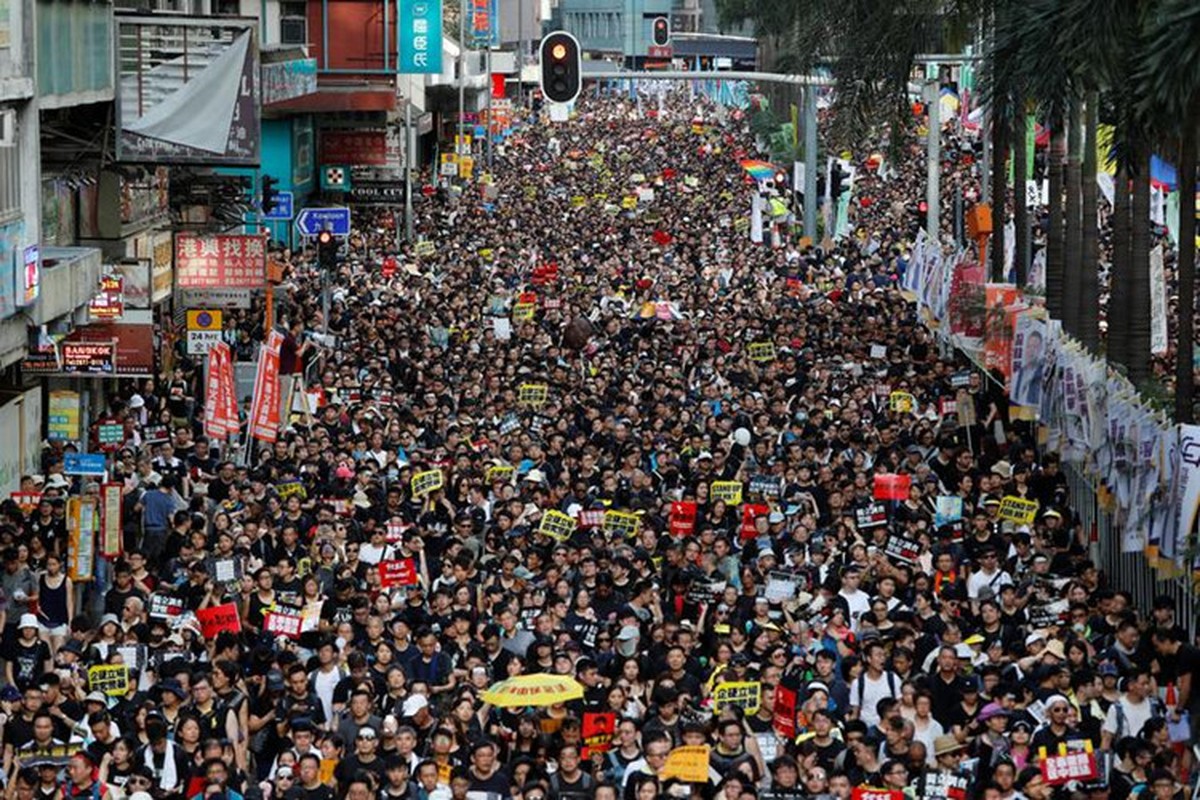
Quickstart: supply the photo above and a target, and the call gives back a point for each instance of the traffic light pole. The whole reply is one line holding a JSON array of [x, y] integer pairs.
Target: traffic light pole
[[810, 162], [934, 161]]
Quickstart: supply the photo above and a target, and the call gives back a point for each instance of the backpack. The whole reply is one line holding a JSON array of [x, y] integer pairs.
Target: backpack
[[862, 683], [1157, 709]]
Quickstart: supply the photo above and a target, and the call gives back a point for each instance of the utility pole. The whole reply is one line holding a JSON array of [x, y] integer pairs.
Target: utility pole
[[810, 162], [934, 162], [462, 77], [408, 172]]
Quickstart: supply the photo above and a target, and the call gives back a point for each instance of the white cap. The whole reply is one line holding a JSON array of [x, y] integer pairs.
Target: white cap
[[415, 703], [28, 621]]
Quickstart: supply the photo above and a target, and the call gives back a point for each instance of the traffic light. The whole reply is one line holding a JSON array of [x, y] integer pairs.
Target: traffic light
[[269, 195], [836, 177], [561, 72], [661, 32], [327, 248]]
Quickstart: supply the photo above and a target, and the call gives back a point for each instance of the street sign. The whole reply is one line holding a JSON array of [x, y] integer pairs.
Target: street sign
[[204, 320], [335, 179], [311, 221], [84, 463], [200, 342], [284, 207], [383, 193], [221, 298]]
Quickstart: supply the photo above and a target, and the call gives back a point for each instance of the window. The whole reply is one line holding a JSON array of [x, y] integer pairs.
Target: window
[[293, 23], [10, 181]]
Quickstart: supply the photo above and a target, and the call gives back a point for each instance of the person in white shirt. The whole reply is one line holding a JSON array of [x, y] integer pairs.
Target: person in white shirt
[[857, 601], [1132, 711], [988, 575], [874, 684]]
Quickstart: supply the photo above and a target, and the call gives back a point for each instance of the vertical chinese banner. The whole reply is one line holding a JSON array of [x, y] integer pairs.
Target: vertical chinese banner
[[420, 26], [264, 406], [220, 409], [110, 521]]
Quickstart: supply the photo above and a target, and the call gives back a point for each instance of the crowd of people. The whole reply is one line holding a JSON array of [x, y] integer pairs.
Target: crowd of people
[[721, 573]]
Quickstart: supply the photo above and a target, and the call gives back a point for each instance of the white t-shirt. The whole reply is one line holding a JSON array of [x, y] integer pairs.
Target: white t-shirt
[[1136, 715], [859, 602], [873, 690], [978, 580]]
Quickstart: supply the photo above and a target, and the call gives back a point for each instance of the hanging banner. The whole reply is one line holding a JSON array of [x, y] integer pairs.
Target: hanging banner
[[1158, 303], [110, 521], [1028, 360], [264, 405], [420, 27], [998, 326], [750, 513], [1185, 491]]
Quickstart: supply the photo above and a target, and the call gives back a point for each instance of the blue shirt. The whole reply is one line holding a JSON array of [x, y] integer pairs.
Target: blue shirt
[[158, 508]]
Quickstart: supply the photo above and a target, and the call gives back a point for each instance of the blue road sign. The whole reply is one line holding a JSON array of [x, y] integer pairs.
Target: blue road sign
[[311, 221], [84, 463], [284, 206]]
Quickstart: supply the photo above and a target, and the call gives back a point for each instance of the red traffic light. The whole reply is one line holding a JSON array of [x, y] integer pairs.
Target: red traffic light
[[324, 237], [661, 32], [558, 52]]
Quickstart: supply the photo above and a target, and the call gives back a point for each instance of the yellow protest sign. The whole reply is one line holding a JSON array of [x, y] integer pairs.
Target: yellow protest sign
[[328, 766], [902, 402], [424, 248], [741, 224], [112, 679], [424, 483], [486, 253], [621, 523], [499, 472], [578, 201], [729, 491], [533, 394], [557, 525], [746, 695], [761, 351], [1014, 509], [688, 763], [523, 312], [531, 192], [629, 202], [601, 196]]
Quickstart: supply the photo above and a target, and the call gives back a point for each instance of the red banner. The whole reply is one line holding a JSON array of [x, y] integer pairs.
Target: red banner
[[397, 572], [498, 81], [220, 405], [750, 512], [683, 519], [215, 619], [264, 406], [224, 261], [598, 731], [890, 486], [785, 712], [875, 793]]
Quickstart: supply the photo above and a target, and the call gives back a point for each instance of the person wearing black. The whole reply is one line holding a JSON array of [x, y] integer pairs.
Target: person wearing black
[[570, 782], [488, 780]]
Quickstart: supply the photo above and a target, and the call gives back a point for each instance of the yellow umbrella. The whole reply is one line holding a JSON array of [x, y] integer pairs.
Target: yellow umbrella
[[538, 689]]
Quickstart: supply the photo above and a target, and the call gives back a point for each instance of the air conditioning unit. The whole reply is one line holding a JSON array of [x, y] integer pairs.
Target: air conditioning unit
[[293, 30], [8, 127]]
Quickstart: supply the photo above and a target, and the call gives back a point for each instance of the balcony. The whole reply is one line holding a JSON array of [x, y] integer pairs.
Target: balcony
[[75, 46]]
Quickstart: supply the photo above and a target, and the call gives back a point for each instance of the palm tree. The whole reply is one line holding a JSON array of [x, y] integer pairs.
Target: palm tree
[[1171, 92], [1073, 265], [1089, 283], [1021, 166]]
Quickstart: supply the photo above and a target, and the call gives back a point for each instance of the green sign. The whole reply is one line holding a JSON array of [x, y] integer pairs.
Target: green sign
[[111, 433], [420, 26]]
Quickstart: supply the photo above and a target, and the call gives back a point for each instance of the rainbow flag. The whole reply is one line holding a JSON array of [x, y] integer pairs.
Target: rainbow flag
[[759, 170]]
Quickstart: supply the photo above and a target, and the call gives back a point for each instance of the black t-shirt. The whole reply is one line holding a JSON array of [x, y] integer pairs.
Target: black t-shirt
[[29, 662], [494, 787], [320, 792]]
